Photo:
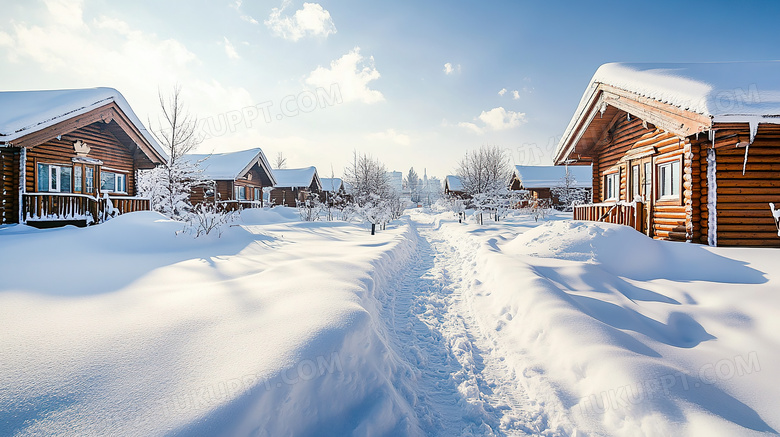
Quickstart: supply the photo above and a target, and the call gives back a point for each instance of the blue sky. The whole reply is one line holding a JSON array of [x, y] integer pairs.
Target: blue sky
[[412, 83]]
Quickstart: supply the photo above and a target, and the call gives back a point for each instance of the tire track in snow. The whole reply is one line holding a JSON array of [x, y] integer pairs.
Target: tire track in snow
[[462, 387]]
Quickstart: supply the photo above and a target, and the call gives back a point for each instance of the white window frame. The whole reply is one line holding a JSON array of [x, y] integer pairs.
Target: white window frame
[[89, 180], [54, 178], [117, 178], [237, 189], [612, 190], [669, 187]]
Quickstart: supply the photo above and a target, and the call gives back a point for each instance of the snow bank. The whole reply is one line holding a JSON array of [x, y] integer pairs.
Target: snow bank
[[128, 329], [628, 336]]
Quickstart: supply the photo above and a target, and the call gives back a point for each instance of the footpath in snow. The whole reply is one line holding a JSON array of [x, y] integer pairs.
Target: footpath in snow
[[432, 327]]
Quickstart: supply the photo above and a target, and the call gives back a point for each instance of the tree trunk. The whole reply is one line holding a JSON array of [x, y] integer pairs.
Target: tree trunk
[[373, 228]]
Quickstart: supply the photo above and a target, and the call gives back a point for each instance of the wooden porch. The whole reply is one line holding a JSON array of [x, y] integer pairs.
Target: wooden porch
[[79, 209], [629, 214]]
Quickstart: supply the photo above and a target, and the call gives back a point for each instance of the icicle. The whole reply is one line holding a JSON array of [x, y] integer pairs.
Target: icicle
[[644, 124], [753, 122], [697, 136], [711, 135], [744, 163], [603, 109], [712, 198], [628, 116]]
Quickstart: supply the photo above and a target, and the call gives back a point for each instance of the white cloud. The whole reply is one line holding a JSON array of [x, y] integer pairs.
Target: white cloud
[[390, 135], [242, 15], [107, 51], [471, 126], [352, 75], [502, 92], [449, 68], [230, 50], [500, 119], [495, 119], [311, 20], [515, 94]]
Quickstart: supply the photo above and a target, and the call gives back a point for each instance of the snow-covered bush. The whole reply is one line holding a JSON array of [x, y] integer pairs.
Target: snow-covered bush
[[568, 194], [206, 218]]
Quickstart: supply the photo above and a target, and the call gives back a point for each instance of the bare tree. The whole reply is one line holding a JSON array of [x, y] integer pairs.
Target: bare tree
[[484, 171], [168, 186], [281, 161]]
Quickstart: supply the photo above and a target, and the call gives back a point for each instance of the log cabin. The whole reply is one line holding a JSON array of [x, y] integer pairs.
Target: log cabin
[[453, 187], [235, 180], [295, 185], [539, 180], [71, 156], [684, 152]]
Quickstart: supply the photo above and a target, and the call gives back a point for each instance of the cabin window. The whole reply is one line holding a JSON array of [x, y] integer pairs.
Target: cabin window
[[54, 178], [635, 182], [240, 192], [612, 186], [258, 194], [111, 182], [669, 180], [89, 180], [77, 179]]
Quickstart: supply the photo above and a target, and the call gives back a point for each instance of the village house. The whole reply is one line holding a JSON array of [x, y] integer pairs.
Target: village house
[[685, 152], [333, 191], [539, 180], [235, 180], [71, 156], [453, 187], [295, 185]]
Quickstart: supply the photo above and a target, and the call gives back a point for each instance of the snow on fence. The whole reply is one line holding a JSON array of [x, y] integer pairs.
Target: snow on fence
[[71, 206], [621, 213], [235, 205]]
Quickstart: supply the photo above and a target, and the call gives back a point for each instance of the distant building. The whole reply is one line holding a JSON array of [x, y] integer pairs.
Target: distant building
[[539, 180], [396, 179], [453, 187], [295, 185], [235, 179]]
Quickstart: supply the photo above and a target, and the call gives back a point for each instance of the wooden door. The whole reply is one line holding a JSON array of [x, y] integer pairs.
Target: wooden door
[[640, 173]]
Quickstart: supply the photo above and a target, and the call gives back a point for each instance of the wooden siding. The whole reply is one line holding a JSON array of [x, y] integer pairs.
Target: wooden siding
[[103, 146], [743, 216], [669, 220], [9, 185]]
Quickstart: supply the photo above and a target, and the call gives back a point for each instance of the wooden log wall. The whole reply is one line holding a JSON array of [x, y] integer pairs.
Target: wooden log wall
[[9, 185], [670, 221], [103, 146], [743, 212]]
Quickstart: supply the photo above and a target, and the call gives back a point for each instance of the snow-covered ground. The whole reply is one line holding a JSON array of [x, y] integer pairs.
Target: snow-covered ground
[[428, 328]]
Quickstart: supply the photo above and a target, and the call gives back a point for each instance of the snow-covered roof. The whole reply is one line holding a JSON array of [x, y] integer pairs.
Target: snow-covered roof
[[548, 176], [296, 177], [747, 92], [231, 165], [26, 112], [453, 183], [331, 184]]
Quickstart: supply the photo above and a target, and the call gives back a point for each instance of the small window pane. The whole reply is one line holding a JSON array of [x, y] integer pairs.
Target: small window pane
[[107, 181], [54, 178], [43, 177], [121, 185], [65, 179], [89, 178], [77, 181]]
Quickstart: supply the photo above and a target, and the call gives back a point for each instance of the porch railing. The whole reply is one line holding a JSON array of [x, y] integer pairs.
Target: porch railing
[[629, 214], [77, 207], [235, 205]]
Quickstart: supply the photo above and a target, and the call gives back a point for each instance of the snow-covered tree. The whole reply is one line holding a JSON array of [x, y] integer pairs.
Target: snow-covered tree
[[567, 192], [412, 183], [168, 186], [485, 170], [371, 193]]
